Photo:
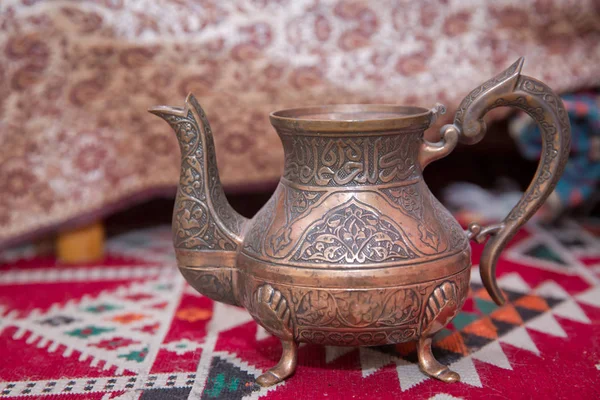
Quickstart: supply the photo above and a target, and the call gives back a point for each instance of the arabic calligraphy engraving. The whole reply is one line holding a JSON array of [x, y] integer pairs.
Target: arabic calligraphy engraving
[[343, 161]]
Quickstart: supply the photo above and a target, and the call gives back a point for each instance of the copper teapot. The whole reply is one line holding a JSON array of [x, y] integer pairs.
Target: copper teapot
[[353, 249]]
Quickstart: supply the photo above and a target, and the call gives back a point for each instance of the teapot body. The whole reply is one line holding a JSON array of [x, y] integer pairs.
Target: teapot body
[[352, 248]]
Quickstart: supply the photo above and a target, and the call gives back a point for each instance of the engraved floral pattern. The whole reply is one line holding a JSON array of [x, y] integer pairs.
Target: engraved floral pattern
[[213, 283], [317, 308], [363, 338], [411, 202], [194, 224], [353, 233], [458, 237], [296, 203], [260, 224], [300, 200], [357, 308]]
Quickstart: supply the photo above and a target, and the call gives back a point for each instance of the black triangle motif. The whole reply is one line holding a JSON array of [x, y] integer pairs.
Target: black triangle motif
[[552, 301], [502, 328], [570, 242], [526, 313], [474, 342], [391, 350], [410, 357], [228, 381], [444, 356], [513, 296], [475, 286]]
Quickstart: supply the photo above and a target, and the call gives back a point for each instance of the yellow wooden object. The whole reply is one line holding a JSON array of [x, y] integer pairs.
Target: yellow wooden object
[[82, 245]]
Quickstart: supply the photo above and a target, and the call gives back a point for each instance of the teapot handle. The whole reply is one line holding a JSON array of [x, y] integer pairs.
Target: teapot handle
[[512, 89]]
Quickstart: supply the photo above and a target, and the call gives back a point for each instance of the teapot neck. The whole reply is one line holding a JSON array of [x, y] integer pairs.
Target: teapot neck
[[352, 159]]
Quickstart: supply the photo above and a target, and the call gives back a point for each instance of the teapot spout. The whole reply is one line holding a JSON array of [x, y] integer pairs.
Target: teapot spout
[[207, 231]]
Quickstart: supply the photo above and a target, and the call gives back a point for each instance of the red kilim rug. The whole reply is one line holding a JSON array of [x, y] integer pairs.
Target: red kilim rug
[[131, 328]]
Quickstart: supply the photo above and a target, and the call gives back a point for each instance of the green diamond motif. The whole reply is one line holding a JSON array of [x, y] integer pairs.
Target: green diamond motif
[[136, 355], [544, 252], [463, 319], [485, 306], [218, 386], [88, 331], [233, 384], [444, 332], [100, 308]]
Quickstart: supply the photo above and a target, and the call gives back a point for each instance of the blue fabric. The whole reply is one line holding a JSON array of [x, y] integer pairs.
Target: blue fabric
[[582, 173]]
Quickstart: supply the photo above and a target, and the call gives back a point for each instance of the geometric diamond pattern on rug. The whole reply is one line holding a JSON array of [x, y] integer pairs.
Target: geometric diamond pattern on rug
[[106, 330], [544, 252], [575, 239], [139, 331]]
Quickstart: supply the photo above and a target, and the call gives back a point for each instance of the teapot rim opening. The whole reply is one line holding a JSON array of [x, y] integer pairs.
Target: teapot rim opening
[[352, 118]]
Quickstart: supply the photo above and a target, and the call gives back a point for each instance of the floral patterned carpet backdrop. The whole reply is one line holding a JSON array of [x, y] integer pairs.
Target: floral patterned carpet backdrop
[[77, 77], [130, 328]]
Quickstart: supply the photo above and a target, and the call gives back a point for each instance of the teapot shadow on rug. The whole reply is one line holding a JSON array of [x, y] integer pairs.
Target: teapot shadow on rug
[[353, 249]]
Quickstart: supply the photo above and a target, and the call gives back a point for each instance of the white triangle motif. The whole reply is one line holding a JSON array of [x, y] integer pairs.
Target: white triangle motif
[[570, 310], [551, 289], [514, 282], [466, 369], [371, 361], [261, 333], [492, 353], [227, 317], [591, 297], [409, 374], [475, 276], [444, 396], [546, 323], [332, 353], [520, 338]]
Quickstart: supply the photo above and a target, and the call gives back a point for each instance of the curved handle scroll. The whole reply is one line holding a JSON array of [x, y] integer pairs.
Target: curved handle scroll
[[512, 89], [431, 151]]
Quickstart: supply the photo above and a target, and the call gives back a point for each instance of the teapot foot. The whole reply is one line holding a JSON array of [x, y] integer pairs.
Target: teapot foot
[[285, 367], [432, 367]]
